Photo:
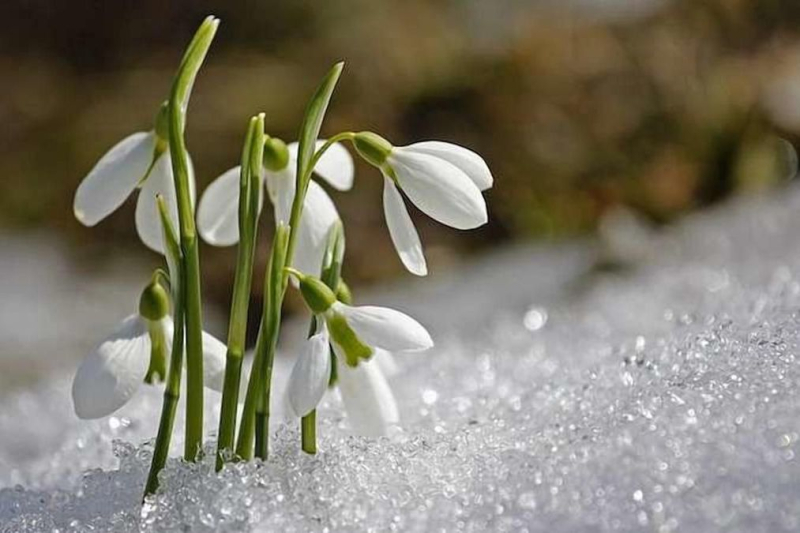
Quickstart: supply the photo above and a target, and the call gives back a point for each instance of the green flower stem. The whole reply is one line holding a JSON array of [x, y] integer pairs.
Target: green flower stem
[[256, 408], [271, 324], [331, 273], [261, 372], [249, 192], [178, 102], [172, 387], [172, 392], [246, 437]]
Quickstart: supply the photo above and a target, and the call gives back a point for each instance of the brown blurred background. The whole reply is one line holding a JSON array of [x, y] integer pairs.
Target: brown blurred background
[[578, 106]]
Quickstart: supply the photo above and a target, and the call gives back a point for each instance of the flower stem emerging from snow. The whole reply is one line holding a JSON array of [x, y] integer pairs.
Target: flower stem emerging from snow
[[271, 326], [178, 101], [172, 390], [249, 191], [331, 272], [255, 417]]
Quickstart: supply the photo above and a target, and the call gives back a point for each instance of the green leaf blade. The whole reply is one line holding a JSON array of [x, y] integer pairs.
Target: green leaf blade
[[312, 122]]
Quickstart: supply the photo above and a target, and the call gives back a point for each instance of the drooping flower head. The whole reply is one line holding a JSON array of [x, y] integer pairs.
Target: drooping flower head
[[443, 180], [139, 161], [217, 213], [135, 353], [355, 333]]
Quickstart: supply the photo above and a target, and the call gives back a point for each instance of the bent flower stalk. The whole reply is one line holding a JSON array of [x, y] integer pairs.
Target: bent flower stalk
[[350, 347]]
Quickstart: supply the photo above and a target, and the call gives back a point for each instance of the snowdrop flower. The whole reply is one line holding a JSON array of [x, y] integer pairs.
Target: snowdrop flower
[[443, 180], [141, 161], [356, 333], [218, 212], [135, 353]]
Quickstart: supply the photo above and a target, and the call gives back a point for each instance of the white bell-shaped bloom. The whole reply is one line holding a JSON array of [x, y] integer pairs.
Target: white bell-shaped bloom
[[444, 181], [109, 376], [123, 169], [367, 397], [368, 400], [218, 212], [361, 337], [310, 374]]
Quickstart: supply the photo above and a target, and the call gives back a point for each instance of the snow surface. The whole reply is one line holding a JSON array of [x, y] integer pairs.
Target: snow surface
[[558, 398]]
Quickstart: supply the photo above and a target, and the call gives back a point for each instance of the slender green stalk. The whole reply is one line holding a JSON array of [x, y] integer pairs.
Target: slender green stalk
[[172, 387], [247, 425], [172, 392], [261, 376], [249, 191], [272, 324], [178, 102], [330, 273]]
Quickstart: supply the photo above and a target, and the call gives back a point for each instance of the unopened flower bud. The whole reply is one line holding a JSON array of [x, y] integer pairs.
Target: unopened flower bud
[[154, 302], [276, 154]]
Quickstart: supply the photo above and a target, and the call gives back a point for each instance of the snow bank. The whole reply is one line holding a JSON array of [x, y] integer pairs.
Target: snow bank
[[660, 398]]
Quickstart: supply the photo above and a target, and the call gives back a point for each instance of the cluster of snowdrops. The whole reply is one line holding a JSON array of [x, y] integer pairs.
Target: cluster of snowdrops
[[349, 348]]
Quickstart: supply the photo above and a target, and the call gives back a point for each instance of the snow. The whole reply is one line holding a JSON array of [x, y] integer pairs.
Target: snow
[[657, 397]]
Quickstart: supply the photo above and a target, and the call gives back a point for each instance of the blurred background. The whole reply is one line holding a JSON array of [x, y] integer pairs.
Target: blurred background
[[580, 107]]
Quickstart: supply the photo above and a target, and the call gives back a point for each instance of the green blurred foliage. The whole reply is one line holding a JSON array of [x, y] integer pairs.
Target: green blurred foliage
[[577, 109]]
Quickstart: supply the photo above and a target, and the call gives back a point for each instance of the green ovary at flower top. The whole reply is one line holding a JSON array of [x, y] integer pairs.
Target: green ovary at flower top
[[141, 160], [361, 337], [136, 352], [217, 213]]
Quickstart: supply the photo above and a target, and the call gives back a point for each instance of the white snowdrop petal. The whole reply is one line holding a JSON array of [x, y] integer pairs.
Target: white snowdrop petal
[[113, 178], [310, 375], [368, 400], [439, 189], [385, 328], [280, 187], [108, 377], [386, 362], [401, 229], [466, 160], [148, 221], [160, 181], [319, 214], [335, 166], [214, 356], [218, 212]]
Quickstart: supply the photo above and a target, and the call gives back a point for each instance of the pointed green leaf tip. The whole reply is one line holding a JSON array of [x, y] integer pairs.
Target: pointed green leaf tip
[[193, 59], [312, 122]]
